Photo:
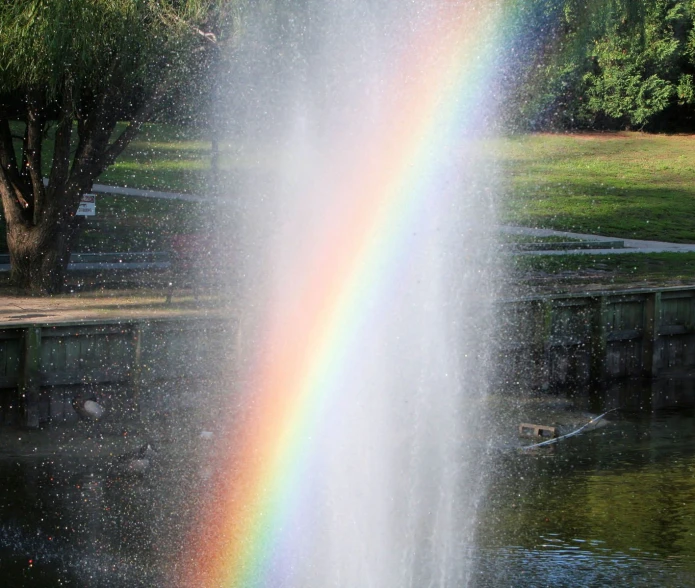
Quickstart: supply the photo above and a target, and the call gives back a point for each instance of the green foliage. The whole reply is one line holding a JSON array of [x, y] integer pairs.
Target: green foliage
[[86, 45], [686, 90], [611, 64], [634, 78], [41, 43]]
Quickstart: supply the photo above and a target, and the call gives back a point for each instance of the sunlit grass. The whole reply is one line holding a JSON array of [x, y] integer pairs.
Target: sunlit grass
[[629, 185], [625, 185], [163, 157], [616, 268]]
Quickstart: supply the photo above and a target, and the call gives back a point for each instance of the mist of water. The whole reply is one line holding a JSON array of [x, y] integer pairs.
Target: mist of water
[[386, 492]]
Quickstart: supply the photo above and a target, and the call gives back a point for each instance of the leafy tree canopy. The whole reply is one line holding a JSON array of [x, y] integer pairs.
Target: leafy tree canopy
[[85, 46], [611, 64]]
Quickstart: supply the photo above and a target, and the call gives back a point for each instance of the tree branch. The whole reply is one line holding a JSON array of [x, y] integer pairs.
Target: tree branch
[[94, 131], [132, 130], [10, 204], [60, 169], [87, 161], [35, 124], [8, 163], [8, 158], [24, 168]]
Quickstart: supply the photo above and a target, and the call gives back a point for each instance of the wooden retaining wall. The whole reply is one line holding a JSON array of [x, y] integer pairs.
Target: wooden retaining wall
[[42, 367], [543, 342], [555, 341]]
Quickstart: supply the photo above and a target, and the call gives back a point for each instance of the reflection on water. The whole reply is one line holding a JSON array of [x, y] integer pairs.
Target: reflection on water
[[74, 522], [565, 565], [82, 512], [613, 507]]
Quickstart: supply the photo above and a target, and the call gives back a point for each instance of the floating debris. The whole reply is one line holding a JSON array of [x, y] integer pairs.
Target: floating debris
[[135, 462], [572, 434], [528, 430]]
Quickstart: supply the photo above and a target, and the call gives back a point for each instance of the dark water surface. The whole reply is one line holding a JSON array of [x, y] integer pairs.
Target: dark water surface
[[612, 507], [76, 509]]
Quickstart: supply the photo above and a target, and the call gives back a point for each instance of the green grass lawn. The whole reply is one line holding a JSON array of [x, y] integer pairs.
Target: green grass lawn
[[625, 185], [629, 185], [127, 223], [162, 157], [603, 271]]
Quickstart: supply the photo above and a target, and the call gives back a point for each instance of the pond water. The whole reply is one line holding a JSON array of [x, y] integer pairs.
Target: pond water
[[612, 507]]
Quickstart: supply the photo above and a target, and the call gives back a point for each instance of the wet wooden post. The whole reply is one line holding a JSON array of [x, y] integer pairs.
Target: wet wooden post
[[652, 319], [139, 335], [29, 376], [541, 341], [599, 339]]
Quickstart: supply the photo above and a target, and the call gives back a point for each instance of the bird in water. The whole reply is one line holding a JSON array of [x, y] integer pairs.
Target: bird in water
[[88, 408], [137, 461]]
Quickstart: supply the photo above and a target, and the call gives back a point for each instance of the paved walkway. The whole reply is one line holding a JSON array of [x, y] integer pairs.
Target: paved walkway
[[92, 307], [104, 189], [630, 245]]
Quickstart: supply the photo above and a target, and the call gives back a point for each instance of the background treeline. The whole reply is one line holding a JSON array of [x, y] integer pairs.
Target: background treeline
[[567, 64], [603, 65]]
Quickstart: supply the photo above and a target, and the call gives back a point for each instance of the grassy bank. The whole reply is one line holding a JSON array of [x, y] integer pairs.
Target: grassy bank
[[625, 185], [629, 185], [162, 157], [589, 271]]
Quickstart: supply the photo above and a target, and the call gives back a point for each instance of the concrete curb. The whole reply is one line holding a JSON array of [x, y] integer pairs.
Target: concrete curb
[[629, 245]]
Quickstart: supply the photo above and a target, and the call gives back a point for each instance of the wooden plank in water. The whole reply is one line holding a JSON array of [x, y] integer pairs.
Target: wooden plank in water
[[529, 430]]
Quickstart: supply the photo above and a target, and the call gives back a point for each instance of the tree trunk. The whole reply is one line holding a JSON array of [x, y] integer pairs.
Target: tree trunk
[[39, 255], [41, 223]]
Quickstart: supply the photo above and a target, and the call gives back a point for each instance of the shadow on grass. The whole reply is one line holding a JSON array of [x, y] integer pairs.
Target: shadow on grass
[[658, 214]]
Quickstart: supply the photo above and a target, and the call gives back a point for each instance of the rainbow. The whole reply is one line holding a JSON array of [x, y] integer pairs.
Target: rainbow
[[436, 93]]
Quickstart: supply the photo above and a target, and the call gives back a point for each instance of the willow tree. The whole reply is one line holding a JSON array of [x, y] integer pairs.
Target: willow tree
[[71, 70]]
